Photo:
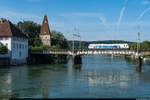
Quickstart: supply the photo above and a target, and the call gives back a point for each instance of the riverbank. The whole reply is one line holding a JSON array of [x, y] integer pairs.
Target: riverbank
[[47, 59]]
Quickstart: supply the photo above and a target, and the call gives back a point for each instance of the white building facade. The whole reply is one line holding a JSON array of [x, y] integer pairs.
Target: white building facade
[[15, 41]]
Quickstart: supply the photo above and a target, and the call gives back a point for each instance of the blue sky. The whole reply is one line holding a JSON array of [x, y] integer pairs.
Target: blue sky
[[95, 19]]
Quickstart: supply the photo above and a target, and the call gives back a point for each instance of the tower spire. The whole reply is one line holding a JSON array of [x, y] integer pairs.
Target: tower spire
[[45, 34], [45, 30]]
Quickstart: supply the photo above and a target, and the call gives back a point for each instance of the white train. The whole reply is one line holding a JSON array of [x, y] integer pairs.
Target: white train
[[108, 46]]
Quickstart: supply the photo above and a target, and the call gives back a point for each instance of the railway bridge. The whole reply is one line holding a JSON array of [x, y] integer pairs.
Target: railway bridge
[[91, 52], [77, 59]]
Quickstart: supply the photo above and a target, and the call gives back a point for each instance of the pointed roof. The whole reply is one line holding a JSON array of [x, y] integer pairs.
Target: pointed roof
[[8, 29], [45, 27]]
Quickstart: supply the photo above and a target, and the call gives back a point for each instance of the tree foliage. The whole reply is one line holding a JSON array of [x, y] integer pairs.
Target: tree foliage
[[3, 50], [145, 45], [42, 47], [58, 40], [32, 29], [133, 46]]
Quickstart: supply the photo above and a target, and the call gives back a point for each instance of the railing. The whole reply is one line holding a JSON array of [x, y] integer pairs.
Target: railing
[[89, 51]]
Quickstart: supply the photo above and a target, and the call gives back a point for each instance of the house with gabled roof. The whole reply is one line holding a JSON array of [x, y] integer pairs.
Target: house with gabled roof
[[15, 41]]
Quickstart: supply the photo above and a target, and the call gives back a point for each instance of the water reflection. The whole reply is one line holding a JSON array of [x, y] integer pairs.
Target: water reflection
[[45, 83], [5, 85], [146, 62], [130, 60], [98, 76], [109, 77], [77, 67]]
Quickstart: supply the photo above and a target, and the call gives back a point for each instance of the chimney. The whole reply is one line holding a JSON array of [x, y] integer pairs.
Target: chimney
[[2, 20]]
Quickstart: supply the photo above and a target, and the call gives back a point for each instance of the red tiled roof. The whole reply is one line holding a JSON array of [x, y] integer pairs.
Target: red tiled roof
[[8, 29], [45, 27]]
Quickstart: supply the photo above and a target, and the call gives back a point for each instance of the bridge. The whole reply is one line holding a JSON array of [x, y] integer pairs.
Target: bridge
[[77, 59], [91, 52]]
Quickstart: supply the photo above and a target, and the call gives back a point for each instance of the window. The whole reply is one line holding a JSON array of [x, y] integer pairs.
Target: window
[[25, 46], [20, 46], [20, 53], [14, 45]]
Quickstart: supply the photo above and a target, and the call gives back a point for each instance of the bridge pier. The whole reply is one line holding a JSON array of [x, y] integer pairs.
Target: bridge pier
[[138, 64], [76, 59]]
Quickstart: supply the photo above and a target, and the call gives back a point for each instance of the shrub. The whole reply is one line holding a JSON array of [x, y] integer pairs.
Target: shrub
[[3, 50], [39, 48]]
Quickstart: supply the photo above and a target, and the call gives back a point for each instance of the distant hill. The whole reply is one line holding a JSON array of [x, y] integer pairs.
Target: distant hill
[[85, 44]]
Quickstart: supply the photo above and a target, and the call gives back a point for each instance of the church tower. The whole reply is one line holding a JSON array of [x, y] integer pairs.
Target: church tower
[[45, 34]]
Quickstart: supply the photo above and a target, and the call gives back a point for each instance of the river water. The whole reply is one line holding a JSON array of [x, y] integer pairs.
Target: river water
[[99, 76]]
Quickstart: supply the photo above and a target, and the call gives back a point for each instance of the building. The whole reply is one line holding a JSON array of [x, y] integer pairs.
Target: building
[[16, 42], [45, 34]]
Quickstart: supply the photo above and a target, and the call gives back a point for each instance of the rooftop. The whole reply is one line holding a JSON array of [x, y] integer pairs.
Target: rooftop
[[8, 29], [45, 27]]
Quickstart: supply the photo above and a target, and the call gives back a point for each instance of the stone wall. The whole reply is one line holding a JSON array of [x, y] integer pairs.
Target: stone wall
[[4, 61], [18, 61], [45, 39]]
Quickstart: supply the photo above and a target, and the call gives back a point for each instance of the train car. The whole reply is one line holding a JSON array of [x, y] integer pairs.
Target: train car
[[108, 46]]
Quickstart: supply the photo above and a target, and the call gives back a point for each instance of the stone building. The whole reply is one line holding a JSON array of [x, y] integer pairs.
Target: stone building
[[15, 41], [45, 34]]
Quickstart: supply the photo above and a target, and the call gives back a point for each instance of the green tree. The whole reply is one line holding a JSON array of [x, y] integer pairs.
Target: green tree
[[133, 46], [3, 50], [145, 45], [37, 41], [32, 29], [58, 40]]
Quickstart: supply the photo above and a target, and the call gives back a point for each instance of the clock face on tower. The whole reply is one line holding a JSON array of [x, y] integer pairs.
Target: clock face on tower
[[45, 21]]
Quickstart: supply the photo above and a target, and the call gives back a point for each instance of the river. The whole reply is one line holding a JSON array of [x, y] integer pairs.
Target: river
[[100, 76]]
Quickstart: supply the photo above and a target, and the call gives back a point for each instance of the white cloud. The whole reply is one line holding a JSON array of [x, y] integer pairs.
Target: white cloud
[[121, 14], [17, 16], [103, 20], [99, 16], [145, 2], [143, 13]]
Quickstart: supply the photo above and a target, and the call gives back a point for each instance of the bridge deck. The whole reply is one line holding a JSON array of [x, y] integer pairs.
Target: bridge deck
[[85, 52]]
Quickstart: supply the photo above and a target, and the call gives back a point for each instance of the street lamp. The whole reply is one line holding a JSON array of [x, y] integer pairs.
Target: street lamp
[[75, 35], [138, 44]]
